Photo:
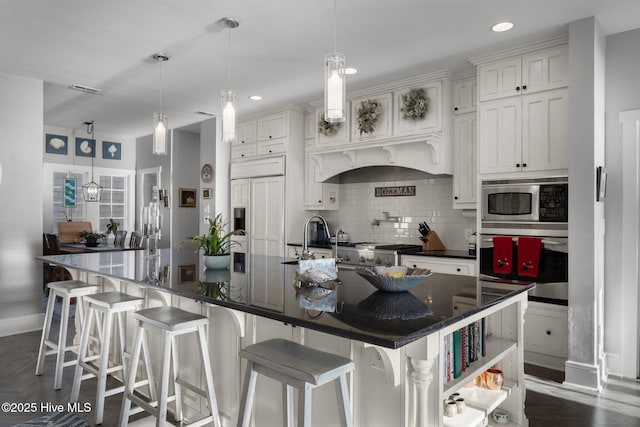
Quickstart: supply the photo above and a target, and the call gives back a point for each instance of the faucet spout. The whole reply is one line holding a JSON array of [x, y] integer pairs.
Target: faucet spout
[[306, 253]]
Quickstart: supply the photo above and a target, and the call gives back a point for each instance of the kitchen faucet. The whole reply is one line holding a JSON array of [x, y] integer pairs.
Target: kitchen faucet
[[306, 253]]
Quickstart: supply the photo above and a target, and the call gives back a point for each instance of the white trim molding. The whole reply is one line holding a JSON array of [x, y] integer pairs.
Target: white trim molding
[[21, 324]]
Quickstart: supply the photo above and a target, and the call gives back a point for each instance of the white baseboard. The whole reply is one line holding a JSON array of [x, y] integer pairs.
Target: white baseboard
[[21, 324], [583, 376], [545, 360]]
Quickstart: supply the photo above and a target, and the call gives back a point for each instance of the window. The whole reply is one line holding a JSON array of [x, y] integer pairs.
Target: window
[[60, 213], [113, 201]]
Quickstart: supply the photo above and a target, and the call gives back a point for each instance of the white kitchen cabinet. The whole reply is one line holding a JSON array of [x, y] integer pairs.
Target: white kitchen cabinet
[[382, 128], [465, 177], [441, 264], [318, 195], [342, 132], [246, 132], [432, 122], [273, 126], [310, 127], [524, 133], [243, 151], [546, 335], [465, 95], [533, 72]]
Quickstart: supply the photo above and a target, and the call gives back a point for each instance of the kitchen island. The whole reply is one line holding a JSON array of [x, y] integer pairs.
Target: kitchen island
[[397, 341]]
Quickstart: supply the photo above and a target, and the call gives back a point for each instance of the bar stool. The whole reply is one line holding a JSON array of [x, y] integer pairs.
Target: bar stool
[[108, 304], [170, 322], [66, 290], [294, 365]]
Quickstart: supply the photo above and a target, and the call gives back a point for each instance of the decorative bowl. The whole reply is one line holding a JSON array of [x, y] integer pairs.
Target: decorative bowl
[[393, 279]]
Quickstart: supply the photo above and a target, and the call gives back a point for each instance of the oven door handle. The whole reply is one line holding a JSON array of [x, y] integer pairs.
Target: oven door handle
[[515, 239]]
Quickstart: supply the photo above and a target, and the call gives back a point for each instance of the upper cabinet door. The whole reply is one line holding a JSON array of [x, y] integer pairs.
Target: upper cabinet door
[[382, 126], [465, 96], [274, 126], [500, 79], [339, 133], [500, 136], [544, 70], [246, 132], [432, 121]]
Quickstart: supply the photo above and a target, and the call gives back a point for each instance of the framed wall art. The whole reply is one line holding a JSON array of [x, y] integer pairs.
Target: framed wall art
[[206, 193], [187, 197], [85, 147], [601, 183], [186, 274], [56, 144], [111, 150]]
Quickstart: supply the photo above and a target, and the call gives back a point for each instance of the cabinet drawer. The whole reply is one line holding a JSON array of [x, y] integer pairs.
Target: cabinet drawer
[[243, 151], [441, 265], [546, 329], [272, 147]]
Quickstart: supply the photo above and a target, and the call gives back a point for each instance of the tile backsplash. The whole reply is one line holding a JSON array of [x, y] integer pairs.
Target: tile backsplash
[[432, 203]]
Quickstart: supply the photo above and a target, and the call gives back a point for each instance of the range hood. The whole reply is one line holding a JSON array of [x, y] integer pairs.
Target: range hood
[[431, 155]]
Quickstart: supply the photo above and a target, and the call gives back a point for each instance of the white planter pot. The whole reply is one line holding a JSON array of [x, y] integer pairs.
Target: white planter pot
[[217, 261]]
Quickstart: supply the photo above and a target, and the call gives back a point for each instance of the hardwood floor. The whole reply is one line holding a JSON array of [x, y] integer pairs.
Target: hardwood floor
[[548, 402]]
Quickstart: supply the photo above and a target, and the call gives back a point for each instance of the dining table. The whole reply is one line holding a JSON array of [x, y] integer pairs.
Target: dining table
[[81, 248]]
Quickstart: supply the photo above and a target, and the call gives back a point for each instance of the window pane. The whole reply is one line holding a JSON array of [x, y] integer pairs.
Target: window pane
[[117, 196]]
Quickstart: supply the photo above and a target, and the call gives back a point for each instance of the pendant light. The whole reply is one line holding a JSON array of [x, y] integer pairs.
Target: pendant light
[[334, 81], [160, 120], [228, 97], [92, 192]]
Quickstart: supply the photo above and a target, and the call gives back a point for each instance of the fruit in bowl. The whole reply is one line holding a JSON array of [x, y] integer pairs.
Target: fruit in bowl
[[393, 279]]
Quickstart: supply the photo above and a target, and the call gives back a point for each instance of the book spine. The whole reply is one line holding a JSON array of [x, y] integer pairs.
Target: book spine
[[457, 353], [463, 339], [484, 336]]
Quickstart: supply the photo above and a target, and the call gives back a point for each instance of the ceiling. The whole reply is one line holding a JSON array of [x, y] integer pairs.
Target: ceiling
[[277, 51]]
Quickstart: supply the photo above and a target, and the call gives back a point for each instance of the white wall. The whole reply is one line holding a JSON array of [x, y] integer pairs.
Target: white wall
[[622, 93], [21, 112]]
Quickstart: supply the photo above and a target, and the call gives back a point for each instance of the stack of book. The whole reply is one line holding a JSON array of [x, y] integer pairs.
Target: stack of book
[[463, 347]]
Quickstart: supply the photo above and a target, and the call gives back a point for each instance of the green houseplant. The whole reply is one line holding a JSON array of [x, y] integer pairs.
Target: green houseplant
[[112, 227], [215, 245], [90, 238]]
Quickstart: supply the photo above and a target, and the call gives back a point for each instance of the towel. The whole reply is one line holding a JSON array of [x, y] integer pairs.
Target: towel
[[529, 256], [502, 254]]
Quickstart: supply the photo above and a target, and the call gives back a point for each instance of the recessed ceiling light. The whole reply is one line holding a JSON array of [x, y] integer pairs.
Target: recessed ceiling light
[[255, 98], [502, 26], [350, 70]]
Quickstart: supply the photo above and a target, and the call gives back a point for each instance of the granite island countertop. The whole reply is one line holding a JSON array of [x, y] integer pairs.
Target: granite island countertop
[[360, 312]]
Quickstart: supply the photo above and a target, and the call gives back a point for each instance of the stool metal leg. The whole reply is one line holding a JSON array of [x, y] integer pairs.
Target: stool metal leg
[[45, 331], [164, 382], [287, 404], [104, 365], [84, 344], [304, 404], [177, 390], [131, 377], [62, 343], [342, 391], [206, 362], [248, 390]]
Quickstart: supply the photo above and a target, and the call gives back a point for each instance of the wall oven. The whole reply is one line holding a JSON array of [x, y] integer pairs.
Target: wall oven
[[539, 206]]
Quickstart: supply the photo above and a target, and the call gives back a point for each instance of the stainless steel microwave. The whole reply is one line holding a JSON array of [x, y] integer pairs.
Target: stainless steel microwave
[[526, 203]]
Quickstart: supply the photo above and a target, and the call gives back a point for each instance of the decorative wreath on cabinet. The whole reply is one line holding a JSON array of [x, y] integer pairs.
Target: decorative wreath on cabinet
[[326, 128], [368, 114], [415, 104]]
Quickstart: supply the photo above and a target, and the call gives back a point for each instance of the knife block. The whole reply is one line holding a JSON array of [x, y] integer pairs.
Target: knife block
[[433, 242]]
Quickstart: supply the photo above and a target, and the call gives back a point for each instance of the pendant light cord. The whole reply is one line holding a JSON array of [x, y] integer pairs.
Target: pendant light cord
[[335, 27], [229, 59], [90, 132], [160, 61]]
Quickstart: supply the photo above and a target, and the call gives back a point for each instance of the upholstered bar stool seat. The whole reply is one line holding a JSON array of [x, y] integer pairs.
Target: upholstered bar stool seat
[[295, 366], [170, 322], [66, 290], [108, 304]]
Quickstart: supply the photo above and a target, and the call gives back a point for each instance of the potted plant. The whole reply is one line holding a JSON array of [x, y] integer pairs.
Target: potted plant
[[215, 245], [90, 238], [112, 227]]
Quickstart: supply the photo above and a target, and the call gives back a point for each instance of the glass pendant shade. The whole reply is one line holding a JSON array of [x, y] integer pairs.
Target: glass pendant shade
[[160, 129], [228, 116], [92, 192], [334, 88]]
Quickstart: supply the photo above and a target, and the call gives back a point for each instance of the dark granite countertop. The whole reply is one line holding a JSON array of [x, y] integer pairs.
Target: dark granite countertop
[[266, 288]]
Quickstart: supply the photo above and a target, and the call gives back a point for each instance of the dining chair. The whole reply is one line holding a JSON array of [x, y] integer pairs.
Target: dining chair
[[120, 237], [52, 273]]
